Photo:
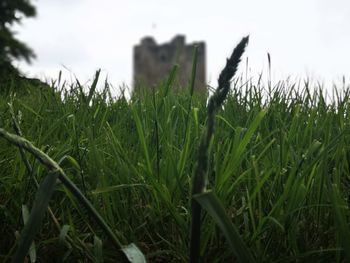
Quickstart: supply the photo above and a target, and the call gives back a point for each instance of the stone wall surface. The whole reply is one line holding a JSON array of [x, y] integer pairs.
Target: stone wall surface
[[153, 63]]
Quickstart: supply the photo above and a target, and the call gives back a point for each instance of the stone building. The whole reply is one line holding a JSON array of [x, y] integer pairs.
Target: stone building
[[153, 63]]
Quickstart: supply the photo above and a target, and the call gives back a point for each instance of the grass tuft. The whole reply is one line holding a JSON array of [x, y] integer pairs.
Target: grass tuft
[[273, 184]]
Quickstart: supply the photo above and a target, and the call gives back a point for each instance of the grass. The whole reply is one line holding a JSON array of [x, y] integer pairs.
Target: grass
[[277, 173]]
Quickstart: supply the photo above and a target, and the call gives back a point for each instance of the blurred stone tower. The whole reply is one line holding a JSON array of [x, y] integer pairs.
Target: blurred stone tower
[[153, 63]]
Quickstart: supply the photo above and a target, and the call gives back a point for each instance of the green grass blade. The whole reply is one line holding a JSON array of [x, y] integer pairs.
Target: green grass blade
[[63, 234], [134, 254], [215, 209], [242, 145], [33, 225], [142, 139], [98, 251], [194, 70], [192, 83], [93, 86], [169, 83], [113, 188], [342, 223], [32, 249]]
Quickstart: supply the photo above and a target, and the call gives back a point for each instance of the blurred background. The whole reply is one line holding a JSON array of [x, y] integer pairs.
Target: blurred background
[[304, 38]]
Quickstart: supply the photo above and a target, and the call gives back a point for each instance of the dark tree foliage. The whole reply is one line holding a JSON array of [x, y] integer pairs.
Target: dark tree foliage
[[11, 12]]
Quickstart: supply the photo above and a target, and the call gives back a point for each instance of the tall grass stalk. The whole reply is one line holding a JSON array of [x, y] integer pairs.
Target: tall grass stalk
[[200, 178]]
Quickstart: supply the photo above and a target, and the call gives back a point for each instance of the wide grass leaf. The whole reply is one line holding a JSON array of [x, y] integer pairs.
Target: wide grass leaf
[[33, 225], [32, 249], [215, 209], [134, 254]]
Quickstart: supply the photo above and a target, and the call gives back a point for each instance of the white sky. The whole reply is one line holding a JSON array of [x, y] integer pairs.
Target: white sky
[[304, 37]]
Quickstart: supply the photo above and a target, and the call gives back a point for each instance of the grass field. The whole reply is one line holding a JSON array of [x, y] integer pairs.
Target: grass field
[[278, 163]]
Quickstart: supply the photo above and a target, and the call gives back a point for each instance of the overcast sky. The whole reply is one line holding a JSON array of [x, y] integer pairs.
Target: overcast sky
[[304, 38]]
